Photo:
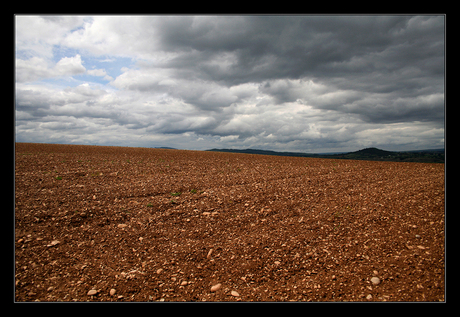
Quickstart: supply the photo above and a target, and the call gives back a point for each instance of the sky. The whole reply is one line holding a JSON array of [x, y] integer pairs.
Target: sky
[[300, 83]]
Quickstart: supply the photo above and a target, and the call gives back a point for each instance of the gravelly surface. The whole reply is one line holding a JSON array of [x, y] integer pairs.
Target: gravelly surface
[[168, 225]]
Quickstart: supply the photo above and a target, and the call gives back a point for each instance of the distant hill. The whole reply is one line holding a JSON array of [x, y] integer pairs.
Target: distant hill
[[369, 154], [165, 147], [372, 151], [374, 154]]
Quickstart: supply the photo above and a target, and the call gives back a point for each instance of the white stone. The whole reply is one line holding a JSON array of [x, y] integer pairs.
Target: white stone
[[235, 293], [92, 292], [375, 280], [216, 287]]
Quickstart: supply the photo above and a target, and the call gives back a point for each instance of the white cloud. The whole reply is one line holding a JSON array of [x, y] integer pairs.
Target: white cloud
[[114, 35], [32, 69], [68, 66], [97, 72], [36, 35], [141, 80], [100, 73], [38, 68]]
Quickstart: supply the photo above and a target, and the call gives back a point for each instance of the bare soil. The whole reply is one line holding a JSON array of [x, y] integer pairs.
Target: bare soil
[[168, 225]]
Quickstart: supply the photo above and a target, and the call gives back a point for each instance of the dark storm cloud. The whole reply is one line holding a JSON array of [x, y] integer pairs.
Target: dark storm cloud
[[393, 55], [299, 46]]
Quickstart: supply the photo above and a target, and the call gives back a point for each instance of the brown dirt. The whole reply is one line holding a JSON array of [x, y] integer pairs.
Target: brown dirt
[[266, 228]]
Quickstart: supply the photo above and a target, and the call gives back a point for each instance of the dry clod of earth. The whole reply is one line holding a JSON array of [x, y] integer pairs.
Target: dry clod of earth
[[175, 225]]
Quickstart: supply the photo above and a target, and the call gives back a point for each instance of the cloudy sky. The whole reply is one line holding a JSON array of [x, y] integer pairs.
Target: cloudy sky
[[288, 83]]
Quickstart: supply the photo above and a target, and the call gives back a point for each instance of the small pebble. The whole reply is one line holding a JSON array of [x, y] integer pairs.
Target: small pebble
[[159, 271], [122, 225], [112, 292], [92, 292], [216, 287], [184, 283], [369, 297], [53, 243], [235, 293], [375, 280]]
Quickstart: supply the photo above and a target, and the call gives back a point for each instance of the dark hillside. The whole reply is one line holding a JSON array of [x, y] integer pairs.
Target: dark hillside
[[372, 151], [369, 154]]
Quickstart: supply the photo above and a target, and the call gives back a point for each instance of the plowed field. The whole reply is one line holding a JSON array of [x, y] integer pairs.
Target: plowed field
[[97, 223]]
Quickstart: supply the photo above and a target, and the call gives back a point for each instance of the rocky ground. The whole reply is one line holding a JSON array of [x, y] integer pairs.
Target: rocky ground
[[134, 224]]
